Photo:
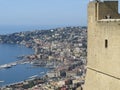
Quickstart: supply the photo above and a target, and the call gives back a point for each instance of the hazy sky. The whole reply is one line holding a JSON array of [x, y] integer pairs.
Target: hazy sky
[[43, 12]]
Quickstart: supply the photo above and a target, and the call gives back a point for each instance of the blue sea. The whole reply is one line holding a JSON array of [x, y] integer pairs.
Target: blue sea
[[9, 53]]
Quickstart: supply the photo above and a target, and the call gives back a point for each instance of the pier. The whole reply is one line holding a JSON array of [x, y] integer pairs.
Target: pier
[[9, 65]]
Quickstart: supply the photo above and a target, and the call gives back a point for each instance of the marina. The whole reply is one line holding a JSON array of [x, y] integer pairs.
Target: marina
[[10, 65], [5, 66]]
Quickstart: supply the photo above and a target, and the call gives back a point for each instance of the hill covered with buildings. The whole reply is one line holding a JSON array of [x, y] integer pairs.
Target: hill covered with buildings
[[63, 49]]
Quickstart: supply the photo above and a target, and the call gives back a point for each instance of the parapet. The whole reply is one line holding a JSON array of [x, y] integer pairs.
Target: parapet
[[105, 10], [110, 20]]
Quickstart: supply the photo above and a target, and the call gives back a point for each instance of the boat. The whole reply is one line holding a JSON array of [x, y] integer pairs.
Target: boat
[[42, 72], [1, 81], [14, 64], [34, 76], [6, 66]]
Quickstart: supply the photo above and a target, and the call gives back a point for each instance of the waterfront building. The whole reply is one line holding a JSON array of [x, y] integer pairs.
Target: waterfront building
[[103, 67]]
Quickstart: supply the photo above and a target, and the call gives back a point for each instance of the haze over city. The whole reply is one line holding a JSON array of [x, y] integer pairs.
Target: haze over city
[[29, 14], [25, 15]]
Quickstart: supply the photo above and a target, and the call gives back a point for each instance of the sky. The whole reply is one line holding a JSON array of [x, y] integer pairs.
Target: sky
[[43, 12]]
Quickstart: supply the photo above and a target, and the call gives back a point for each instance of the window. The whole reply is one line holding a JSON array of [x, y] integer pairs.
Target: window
[[106, 43]]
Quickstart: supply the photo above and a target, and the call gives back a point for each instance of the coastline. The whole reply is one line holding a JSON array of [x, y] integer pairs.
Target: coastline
[[63, 49], [8, 66]]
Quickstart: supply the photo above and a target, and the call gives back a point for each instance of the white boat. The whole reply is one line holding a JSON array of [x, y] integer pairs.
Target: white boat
[[42, 72], [5, 66], [14, 64], [1, 81], [34, 76]]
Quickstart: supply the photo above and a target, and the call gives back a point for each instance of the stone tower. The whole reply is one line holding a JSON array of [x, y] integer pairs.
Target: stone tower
[[103, 67]]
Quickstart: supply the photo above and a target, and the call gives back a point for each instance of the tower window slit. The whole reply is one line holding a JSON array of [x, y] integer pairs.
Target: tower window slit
[[106, 43]]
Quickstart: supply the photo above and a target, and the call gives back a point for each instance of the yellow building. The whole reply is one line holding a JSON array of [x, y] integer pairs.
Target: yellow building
[[103, 67]]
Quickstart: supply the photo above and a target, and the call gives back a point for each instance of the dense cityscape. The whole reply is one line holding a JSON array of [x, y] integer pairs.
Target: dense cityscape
[[63, 50]]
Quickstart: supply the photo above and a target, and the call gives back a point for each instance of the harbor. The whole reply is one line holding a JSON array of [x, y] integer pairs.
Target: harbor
[[60, 61], [14, 69], [10, 65]]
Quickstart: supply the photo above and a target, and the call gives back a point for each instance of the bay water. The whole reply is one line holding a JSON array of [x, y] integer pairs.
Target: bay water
[[9, 53]]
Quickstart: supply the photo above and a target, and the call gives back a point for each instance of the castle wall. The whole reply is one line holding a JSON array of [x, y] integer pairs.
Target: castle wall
[[103, 71], [98, 81]]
